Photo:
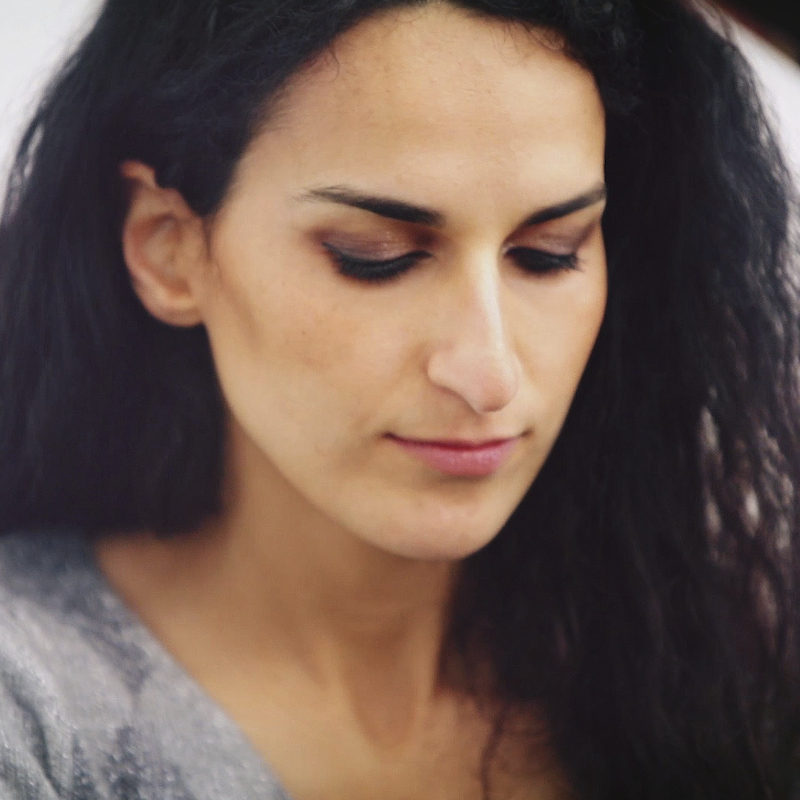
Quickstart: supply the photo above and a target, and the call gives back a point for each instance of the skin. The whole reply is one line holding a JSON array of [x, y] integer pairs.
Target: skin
[[314, 608]]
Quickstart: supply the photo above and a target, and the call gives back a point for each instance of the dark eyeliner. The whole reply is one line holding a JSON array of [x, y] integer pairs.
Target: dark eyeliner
[[540, 262], [373, 270]]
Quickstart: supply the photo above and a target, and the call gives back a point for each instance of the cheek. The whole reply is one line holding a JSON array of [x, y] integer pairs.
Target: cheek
[[583, 325], [587, 317], [560, 339], [291, 358]]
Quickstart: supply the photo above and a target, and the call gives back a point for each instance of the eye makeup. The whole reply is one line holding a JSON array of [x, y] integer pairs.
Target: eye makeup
[[552, 250], [370, 270], [542, 262], [536, 262], [546, 253]]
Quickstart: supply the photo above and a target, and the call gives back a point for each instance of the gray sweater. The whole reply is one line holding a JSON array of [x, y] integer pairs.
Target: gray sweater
[[91, 705]]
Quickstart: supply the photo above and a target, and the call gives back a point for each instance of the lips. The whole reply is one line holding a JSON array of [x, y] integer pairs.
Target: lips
[[460, 458]]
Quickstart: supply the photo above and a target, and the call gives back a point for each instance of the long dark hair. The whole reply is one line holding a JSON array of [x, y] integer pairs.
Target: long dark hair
[[644, 597]]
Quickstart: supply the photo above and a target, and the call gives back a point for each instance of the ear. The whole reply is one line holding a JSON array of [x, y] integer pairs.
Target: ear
[[164, 247]]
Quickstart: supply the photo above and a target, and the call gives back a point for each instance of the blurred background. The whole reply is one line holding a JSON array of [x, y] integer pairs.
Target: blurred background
[[34, 37], [777, 21], [36, 34]]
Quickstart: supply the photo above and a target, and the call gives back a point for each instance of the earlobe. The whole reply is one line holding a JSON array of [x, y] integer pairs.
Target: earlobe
[[163, 246]]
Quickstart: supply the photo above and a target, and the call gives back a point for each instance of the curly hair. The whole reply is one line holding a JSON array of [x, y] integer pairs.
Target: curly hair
[[645, 595]]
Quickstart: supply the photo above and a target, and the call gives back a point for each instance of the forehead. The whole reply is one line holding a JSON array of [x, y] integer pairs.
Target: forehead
[[416, 95]]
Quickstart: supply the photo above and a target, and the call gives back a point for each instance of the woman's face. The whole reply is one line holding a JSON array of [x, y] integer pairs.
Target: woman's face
[[407, 278]]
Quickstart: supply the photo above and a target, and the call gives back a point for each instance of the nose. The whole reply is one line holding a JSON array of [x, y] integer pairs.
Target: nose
[[473, 356]]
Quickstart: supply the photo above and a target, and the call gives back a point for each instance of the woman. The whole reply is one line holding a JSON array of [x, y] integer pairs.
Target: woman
[[399, 399]]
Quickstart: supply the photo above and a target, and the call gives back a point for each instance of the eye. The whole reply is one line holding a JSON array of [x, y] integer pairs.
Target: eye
[[373, 270], [540, 262]]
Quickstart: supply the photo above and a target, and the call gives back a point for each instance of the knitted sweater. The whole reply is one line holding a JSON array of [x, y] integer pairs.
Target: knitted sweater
[[91, 706]]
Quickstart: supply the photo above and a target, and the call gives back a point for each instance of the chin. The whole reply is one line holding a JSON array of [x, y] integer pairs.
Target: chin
[[436, 543]]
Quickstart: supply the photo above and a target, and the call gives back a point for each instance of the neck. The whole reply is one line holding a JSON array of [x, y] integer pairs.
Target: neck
[[272, 581], [336, 599]]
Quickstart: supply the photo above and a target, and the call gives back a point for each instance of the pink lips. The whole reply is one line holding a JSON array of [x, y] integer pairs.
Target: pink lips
[[460, 459]]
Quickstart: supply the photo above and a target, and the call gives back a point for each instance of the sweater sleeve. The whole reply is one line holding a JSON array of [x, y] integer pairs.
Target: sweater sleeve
[[91, 705], [34, 747]]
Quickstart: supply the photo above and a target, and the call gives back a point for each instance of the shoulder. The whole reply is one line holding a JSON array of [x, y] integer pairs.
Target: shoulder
[[34, 749], [70, 667], [59, 620], [91, 706]]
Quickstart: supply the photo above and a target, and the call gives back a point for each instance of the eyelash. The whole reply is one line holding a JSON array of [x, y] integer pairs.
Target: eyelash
[[373, 270], [535, 262], [541, 262]]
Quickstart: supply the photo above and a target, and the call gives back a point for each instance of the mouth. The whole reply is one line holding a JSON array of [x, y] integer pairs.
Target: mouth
[[463, 459]]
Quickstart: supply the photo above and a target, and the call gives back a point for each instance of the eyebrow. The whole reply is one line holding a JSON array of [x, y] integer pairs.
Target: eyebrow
[[590, 198], [391, 208], [382, 206]]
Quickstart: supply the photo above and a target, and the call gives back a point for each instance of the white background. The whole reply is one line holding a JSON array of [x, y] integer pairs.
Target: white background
[[36, 34], [34, 37]]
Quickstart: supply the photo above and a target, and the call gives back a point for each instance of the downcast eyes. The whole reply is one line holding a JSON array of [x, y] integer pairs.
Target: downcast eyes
[[535, 262], [374, 271], [542, 262]]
